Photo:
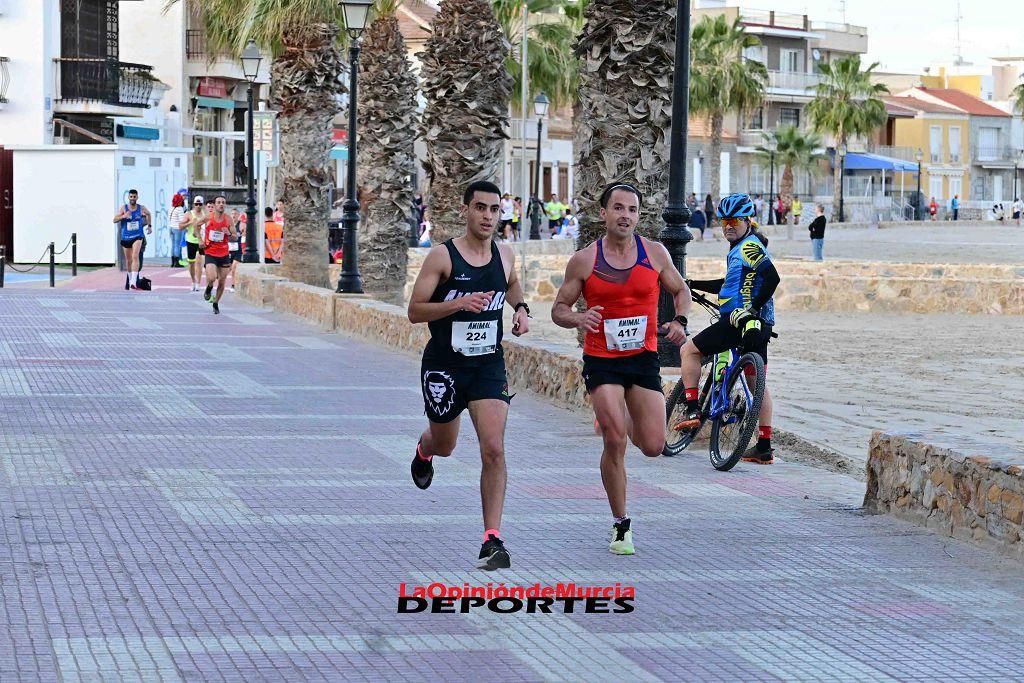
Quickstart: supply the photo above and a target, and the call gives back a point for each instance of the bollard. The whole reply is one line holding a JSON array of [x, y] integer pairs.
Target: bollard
[[53, 266], [3, 260], [74, 254]]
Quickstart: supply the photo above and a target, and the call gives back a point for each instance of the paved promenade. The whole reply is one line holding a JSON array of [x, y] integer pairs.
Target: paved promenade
[[190, 497]]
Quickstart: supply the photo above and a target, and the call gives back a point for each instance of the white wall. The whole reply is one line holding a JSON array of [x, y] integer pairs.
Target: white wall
[[30, 37], [156, 185], [149, 36], [60, 189]]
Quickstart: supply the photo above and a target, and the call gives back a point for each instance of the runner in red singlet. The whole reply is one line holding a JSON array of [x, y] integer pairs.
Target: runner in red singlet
[[619, 277], [219, 230]]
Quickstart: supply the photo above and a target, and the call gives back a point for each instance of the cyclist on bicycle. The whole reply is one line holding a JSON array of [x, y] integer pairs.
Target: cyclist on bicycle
[[747, 314]]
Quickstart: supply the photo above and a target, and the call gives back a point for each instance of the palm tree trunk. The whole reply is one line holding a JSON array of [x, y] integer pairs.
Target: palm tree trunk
[[467, 87], [306, 85], [837, 180], [715, 152], [621, 132], [387, 118]]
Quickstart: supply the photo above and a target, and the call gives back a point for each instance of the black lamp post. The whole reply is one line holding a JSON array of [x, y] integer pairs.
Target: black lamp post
[[919, 157], [356, 14], [1016, 164], [251, 59], [842, 179], [540, 109], [676, 215], [771, 144]]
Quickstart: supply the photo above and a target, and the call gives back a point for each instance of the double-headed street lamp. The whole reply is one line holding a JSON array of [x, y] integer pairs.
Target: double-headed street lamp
[[771, 144], [676, 215], [540, 109], [251, 59], [356, 13], [918, 201]]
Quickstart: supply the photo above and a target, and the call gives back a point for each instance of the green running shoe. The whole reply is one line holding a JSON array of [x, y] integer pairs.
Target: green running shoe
[[622, 539]]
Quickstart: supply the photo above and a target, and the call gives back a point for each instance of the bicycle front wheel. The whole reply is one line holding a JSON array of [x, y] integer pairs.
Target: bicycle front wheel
[[732, 430], [677, 440]]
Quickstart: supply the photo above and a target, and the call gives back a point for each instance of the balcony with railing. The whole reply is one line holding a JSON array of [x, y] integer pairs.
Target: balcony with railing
[[803, 83], [102, 86], [1003, 154], [195, 44], [895, 152], [773, 19]]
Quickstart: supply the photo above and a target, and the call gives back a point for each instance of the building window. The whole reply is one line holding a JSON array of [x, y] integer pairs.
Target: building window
[[756, 119], [155, 162], [129, 161], [756, 53], [789, 116], [954, 144], [988, 143], [758, 179], [208, 160], [791, 61], [935, 143], [954, 187], [935, 189]]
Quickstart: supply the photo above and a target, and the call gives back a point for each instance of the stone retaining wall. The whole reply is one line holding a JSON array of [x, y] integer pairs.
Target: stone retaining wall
[[849, 286], [970, 497]]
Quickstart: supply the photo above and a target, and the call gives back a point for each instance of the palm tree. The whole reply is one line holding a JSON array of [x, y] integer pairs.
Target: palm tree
[[551, 65], [467, 89], [623, 119], [387, 129], [722, 80], [303, 37], [846, 104], [796, 150]]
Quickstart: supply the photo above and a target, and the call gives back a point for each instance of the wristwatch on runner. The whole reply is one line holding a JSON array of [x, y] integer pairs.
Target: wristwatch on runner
[[522, 304], [681, 319]]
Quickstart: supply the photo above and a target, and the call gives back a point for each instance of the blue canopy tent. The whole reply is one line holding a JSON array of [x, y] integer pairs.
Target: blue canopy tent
[[863, 161]]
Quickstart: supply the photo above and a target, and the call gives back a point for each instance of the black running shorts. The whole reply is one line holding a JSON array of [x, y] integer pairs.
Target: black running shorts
[[448, 391], [193, 249], [219, 261], [722, 336], [127, 244], [639, 370]]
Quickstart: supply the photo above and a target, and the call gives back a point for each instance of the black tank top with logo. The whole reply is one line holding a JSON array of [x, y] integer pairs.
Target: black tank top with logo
[[477, 336]]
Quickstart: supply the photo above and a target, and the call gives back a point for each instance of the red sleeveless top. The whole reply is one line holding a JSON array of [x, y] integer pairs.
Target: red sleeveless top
[[627, 294], [218, 248]]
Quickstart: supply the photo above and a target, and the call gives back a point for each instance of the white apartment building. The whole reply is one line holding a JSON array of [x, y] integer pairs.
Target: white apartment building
[[79, 127]]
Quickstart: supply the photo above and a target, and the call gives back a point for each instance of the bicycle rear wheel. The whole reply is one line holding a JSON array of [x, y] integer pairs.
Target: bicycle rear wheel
[[732, 430], [676, 440]]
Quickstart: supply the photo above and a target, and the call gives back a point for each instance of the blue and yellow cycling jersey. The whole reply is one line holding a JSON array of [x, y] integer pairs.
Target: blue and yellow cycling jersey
[[745, 277]]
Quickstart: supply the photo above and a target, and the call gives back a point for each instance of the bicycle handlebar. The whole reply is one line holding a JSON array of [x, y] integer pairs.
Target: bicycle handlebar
[[712, 307]]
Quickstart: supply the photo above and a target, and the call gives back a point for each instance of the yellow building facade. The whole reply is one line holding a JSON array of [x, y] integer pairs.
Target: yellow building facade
[[943, 137]]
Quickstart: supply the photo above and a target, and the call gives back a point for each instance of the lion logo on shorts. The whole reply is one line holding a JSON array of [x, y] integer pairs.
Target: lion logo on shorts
[[440, 389]]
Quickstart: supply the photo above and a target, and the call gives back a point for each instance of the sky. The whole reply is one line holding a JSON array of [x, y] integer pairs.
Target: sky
[[907, 35]]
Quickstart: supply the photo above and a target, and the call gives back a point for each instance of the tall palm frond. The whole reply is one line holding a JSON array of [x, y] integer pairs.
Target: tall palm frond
[[846, 104], [551, 65]]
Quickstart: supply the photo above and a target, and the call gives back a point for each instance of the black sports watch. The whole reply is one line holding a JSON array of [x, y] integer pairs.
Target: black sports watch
[[522, 304], [681, 319]]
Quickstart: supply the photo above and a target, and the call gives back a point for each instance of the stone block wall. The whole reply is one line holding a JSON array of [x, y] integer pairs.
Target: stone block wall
[[970, 497]]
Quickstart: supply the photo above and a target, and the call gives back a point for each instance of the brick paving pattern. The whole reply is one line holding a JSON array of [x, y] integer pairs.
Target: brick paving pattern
[[190, 497]]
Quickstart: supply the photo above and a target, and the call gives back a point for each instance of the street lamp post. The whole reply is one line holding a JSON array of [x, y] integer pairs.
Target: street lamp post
[[842, 180], [540, 109], [251, 59], [919, 157], [771, 144], [349, 282], [676, 215], [1017, 160]]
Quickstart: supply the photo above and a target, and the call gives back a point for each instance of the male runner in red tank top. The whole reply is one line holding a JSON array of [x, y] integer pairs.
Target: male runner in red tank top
[[219, 231], [619, 277]]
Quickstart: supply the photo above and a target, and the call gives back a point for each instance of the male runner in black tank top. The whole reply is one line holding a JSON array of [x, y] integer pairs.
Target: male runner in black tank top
[[460, 292]]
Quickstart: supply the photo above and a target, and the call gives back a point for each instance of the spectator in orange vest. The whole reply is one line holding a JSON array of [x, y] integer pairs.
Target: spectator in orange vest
[[274, 238]]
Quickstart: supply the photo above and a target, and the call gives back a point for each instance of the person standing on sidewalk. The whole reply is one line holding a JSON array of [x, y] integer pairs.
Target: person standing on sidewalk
[[955, 205], [1018, 209], [817, 230], [620, 276], [460, 293], [219, 233], [134, 219], [174, 220], [192, 224]]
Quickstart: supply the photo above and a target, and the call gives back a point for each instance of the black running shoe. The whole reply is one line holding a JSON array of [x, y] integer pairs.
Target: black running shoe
[[422, 470], [759, 457], [206, 294], [216, 308], [493, 555]]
